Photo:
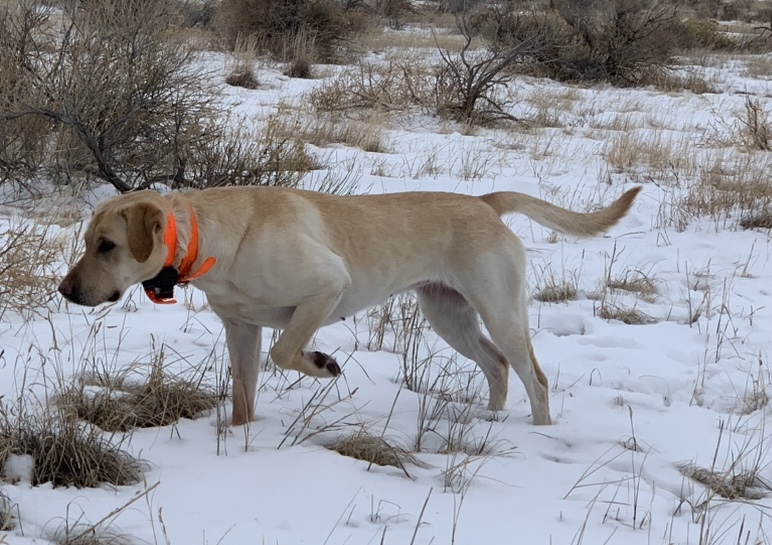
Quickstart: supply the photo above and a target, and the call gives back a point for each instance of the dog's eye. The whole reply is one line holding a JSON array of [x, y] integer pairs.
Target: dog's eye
[[105, 246]]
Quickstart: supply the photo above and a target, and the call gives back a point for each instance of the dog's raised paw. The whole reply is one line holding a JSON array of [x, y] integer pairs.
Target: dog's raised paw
[[323, 361]]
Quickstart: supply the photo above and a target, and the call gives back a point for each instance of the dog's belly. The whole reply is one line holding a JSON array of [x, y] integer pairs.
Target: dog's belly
[[279, 316]]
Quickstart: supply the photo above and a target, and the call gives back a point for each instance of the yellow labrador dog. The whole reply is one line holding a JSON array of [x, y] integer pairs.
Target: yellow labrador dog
[[297, 260]]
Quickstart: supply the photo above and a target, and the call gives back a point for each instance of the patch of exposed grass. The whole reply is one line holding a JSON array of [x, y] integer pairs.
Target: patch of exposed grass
[[556, 293], [658, 152], [629, 316], [6, 513], [80, 535], [732, 486], [759, 220], [739, 188], [637, 283], [244, 79], [122, 403], [66, 452], [365, 446]]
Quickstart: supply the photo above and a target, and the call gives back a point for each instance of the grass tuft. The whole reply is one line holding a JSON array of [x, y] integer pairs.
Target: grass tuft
[[744, 485], [119, 404], [362, 445], [6, 516], [629, 316], [556, 293], [637, 283], [65, 452]]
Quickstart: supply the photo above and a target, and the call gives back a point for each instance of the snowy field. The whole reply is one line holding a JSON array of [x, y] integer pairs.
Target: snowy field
[[638, 407]]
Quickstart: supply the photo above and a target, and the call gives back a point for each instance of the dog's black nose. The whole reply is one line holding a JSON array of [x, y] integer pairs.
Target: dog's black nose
[[68, 289]]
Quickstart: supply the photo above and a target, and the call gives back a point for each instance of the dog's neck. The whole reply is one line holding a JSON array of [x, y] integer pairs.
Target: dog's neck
[[182, 263]]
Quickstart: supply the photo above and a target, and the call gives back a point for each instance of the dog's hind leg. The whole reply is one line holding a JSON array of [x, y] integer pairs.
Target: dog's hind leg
[[494, 283], [243, 342], [453, 318]]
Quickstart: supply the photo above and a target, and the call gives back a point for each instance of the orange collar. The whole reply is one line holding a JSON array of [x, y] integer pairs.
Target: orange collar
[[170, 241]]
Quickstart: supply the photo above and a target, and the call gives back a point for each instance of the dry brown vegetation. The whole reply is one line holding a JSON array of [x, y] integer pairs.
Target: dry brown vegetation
[[629, 316], [556, 293], [27, 258], [65, 452], [732, 485], [365, 446], [6, 513], [129, 399]]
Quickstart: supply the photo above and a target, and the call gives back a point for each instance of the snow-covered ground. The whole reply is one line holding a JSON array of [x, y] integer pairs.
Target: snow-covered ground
[[632, 404]]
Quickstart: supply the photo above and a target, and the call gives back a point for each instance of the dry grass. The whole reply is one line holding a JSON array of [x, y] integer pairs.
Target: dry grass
[[559, 292], [130, 400], [634, 282], [756, 126], [657, 153], [244, 56], [398, 320], [758, 66], [674, 82], [629, 316], [378, 38], [732, 187], [27, 270], [365, 133], [730, 485], [269, 154], [85, 535], [365, 446], [6, 513], [66, 452]]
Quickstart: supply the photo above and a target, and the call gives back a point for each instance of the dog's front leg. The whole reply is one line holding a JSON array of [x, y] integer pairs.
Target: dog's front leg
[[243, 342], [309, 316]]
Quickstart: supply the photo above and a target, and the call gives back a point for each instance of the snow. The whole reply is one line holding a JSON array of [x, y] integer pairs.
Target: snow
[[631, 403]]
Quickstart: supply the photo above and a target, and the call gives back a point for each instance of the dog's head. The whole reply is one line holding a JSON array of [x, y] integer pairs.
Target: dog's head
[[124, 246]]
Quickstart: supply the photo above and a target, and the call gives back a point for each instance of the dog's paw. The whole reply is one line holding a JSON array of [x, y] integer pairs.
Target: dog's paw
[[324, 363]]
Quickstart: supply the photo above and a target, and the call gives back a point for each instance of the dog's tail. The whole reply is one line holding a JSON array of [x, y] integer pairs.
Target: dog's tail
[[579, 224]]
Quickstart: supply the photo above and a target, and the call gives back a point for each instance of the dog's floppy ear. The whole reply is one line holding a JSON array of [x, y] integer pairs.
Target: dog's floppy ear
[[145, 221]]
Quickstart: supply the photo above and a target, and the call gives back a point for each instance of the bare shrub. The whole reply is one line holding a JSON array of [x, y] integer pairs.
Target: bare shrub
[[703, 34], [624, 42], [757, 126], [65, 452], [270, 154], [275, 22], [468, 83], [23, 142], [27, 271], [364, 86], [120, 98]]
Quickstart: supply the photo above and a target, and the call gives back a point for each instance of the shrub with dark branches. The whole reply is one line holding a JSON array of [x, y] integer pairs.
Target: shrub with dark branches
[[277, 24], [624, 42], [111, 96], [468, 81], [106, 91]]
